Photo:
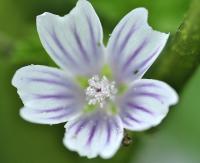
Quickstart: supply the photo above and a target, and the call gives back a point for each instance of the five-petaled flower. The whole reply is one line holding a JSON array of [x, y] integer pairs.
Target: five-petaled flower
[[98, 91]]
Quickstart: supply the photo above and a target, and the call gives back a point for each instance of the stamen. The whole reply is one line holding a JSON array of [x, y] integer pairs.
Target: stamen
[[100, 90]]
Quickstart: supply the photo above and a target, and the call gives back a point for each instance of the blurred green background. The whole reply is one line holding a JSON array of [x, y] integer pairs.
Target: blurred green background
[[176, 140]]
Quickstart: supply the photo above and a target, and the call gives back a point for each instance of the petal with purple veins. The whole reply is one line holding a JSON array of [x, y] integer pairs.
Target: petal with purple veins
[[94, 134], [48, 94], [134, 46], [74, 41], [146, 104], [50, 115]]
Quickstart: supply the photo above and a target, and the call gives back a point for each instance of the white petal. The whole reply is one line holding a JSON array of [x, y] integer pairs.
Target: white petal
[[49, 116], [134, 46], [74, 41], [93, 135], [49, 96], [146, 104]]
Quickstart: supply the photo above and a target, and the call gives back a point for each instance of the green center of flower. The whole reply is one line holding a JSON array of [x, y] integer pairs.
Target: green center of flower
[[101, 90]]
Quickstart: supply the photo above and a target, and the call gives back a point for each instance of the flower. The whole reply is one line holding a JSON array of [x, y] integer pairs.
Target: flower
[[98, 90]]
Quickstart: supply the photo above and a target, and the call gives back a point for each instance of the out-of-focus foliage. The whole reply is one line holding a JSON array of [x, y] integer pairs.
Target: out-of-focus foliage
[[176, 140], [183, 51]]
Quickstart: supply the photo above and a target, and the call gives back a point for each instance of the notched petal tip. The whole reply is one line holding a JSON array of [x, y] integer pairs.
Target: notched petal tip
[[43, 16], [62, 37], [134, 45], [144, 13], [80, 3], [141, 10], [83, 2]]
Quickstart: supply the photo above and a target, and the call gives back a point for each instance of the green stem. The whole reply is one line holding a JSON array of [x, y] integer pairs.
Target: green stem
[[182, 57]]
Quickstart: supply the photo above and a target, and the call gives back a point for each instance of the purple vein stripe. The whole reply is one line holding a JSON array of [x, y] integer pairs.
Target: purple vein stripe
[[108, 125], [127, 37], [92, 132], [59, 44], [55, 110], [116, 125], [135, 106], [81, 126], [93, 40], [55, 54], [51, 110], [148, 85], [119, 33], [134, 54], [56, 75], [146, 62], [79, 43], [132, 118], [63, 114], [54, 96], [49, 81], [124, 120], [52, 72], [143, 85], [152, 95]]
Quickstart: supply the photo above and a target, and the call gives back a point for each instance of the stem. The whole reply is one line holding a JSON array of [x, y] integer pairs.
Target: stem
[[182, 57]]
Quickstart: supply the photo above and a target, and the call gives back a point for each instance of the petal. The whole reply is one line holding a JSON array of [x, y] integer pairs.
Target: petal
[[134, 46], [74, 41], [49, 96], [94, 134], [50, 115], [146, 104]]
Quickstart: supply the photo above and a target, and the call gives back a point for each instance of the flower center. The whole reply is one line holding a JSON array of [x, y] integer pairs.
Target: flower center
[[100, 90]]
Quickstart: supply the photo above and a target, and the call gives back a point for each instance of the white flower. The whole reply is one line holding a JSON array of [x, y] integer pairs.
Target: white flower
[[98, 91]]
